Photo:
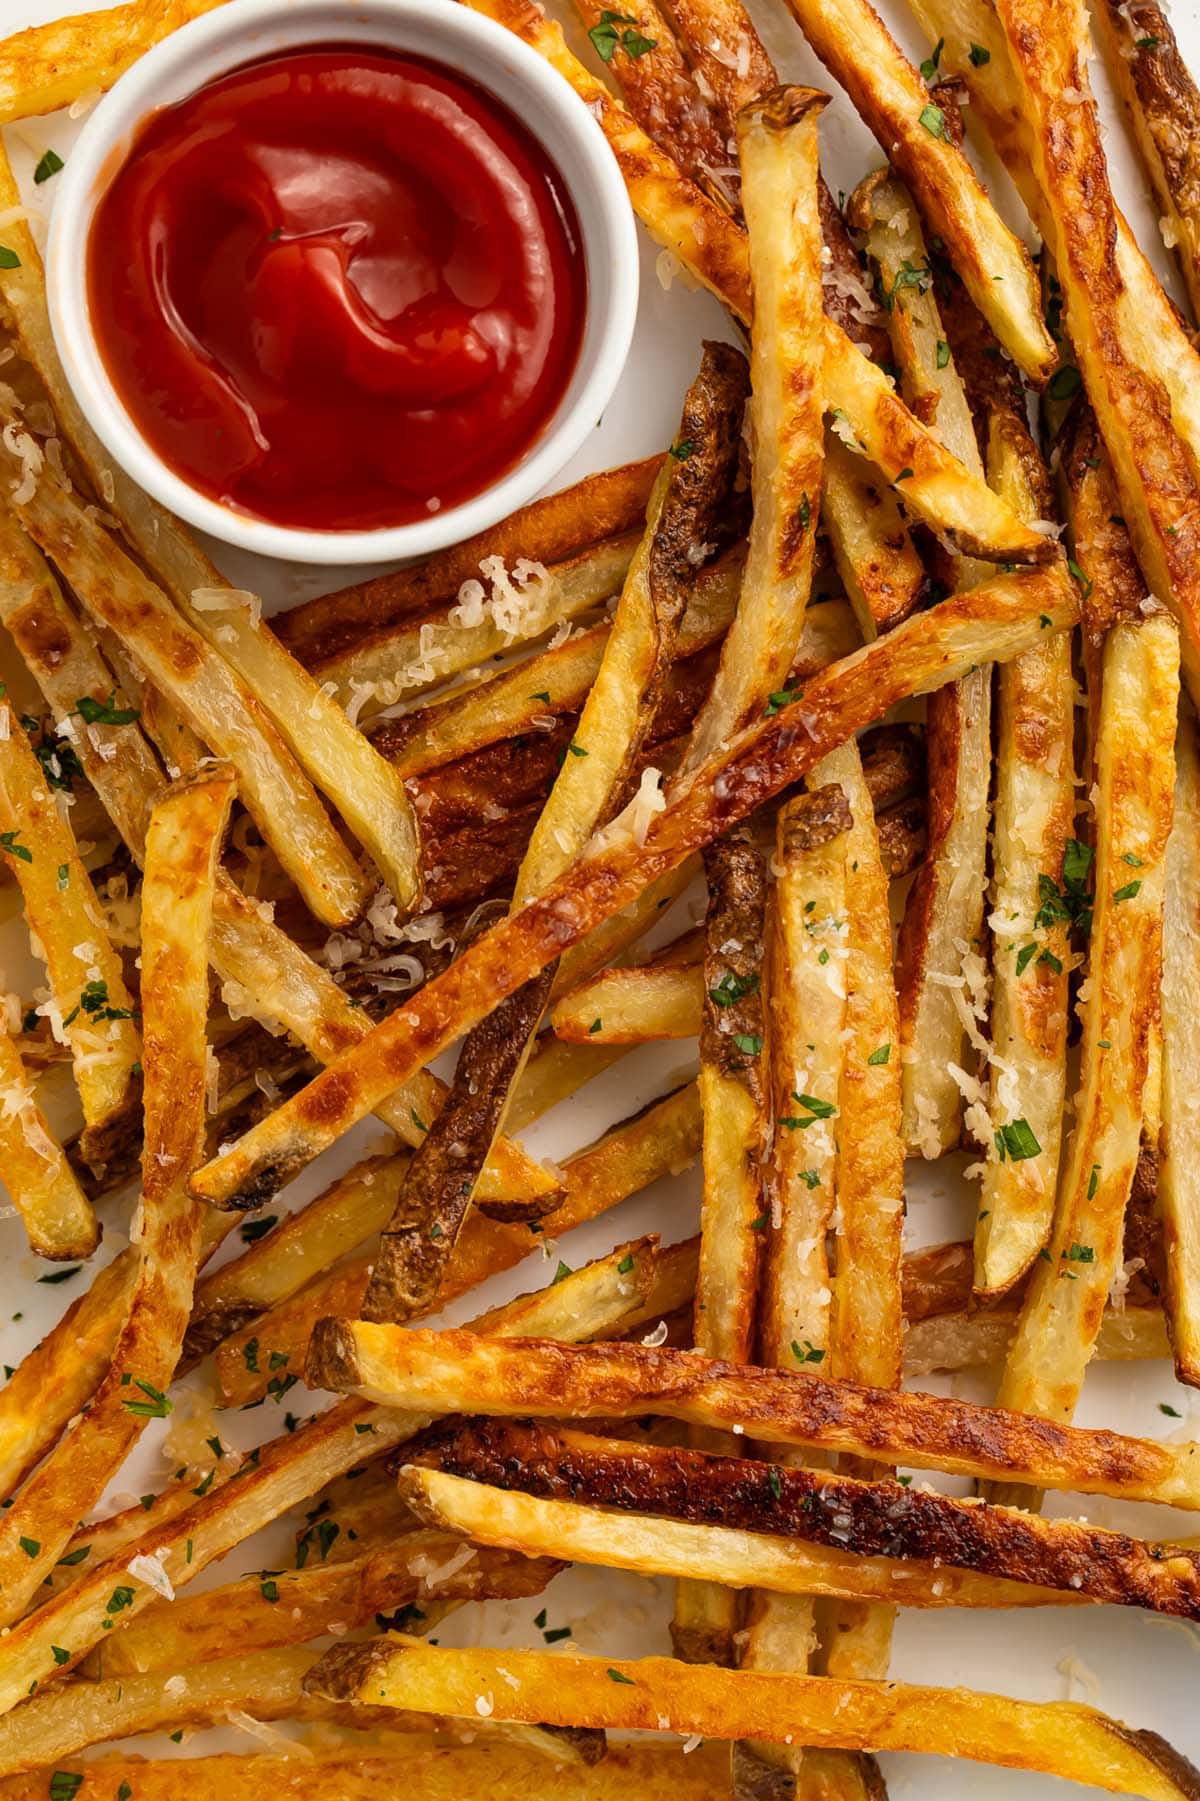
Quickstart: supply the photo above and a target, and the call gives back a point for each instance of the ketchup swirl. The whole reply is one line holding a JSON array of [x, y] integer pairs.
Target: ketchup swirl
[[338, 289]]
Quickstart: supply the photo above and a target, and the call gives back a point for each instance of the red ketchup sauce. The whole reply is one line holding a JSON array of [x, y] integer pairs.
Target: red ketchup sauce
[[338, 289]]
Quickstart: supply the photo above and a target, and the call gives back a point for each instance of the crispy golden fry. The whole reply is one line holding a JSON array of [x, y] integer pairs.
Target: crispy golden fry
[[1180, 1147], [38, 1177], [51, 1384], [260, 1613], [660, 1141], [1114, 317], [69, 60], [183, 844], [734, 1143], [1135, 777], [995, 621], [88, 996], [855, 45], [116, 759], [213, 698], [611, 505], [631, 1006], [881, 571], [451, 1371], [1034, 816], [111, 1594], [1062, 1738], [874, 1519], [777, 147], [1162, 104], [369, 796], [499, 1769], [791, 1567]]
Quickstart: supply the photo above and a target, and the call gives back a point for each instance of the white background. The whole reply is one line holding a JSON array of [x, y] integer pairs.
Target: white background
[[1141, 1668]]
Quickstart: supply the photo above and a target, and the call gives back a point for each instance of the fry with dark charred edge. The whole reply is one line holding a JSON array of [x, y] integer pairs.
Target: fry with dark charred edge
[[777, 149], [871, 1519], [661, 1141], [682, 520], [183, 844], [1162, 104], [788, 1568], [369, 796], [1044, 1371], [107, 1596], [1061, 1738], [712, 246], [88, 997], [1180, 1137], [998, 620], [214, 700], [450, 1371], [943, 918]]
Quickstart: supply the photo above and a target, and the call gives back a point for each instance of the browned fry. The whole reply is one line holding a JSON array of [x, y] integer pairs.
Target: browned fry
[[870, 1519], [969, 1340], [605, 506], [661, 1141], [183, 844], [1062, 1738], [262, 1612], [63, 61], [993, 622], [109, 1595], [38, 1177], [1179, 1148], [1162, 103], [449, 1371]]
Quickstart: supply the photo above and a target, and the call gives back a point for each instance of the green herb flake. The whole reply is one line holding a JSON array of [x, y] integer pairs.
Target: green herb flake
[[49, 165], [683, 450], [929, 67], [978, 56], [10, 260], [749, 1043], [934, 121], [1084, 582], [250, 1355], [64, 1784], [1172, 1413], [156, 1406], [53, 1277], [808, 1354], [561, 1273], [30, 1546], [60, 1655], [1080, 1253], [774, 1482], [9, 842], [104, 712], [783, 697], [943, 353], [1128, 891], [880, 1056], [619, 1676], [733, 988], [1017, 1142], [254, 1229]]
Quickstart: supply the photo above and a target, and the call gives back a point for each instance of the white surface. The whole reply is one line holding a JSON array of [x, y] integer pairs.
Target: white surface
[[1141, 1668], [212, 46]]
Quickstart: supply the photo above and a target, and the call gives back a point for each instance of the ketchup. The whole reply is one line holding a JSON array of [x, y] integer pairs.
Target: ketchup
[[338, 288]]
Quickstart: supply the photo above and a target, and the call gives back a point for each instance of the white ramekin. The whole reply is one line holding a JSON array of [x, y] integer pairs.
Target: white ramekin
[[445, 32]]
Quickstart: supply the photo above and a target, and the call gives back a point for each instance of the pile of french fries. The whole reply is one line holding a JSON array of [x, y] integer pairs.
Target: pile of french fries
[[892, 629]]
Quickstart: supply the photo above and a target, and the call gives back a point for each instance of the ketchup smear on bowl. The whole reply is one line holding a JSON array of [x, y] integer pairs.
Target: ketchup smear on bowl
[[338, 289]]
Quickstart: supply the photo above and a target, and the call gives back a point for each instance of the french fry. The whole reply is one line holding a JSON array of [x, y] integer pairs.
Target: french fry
[[183, 844], [212, 697], [882, 573], [957, 1341], [611, 505], [109, 1595], [873, 1519], [629, 1006], [451, 1371], [777, 148], [261, 1613], [1061, 1314], [51, 1385], [67, 60], [1162, 103], [732, 1106], [943, 917], [369, 796], [661, 1141], [57, 1215], [711, 245], [1062, 1738], [1180, 1020], [88, 996], [501, 1769], [682, 520], [790, 1567], [1034, 812], [995, 621]]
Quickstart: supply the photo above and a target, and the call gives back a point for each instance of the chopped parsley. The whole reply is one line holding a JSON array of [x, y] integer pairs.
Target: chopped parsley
[[880, 1056], [104, 712], [618, 31], [929, 67], [156, 1406], [978, 56], [50, 164], [732, 988], [808, 1353], [1016, 1142], [934, 121]]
